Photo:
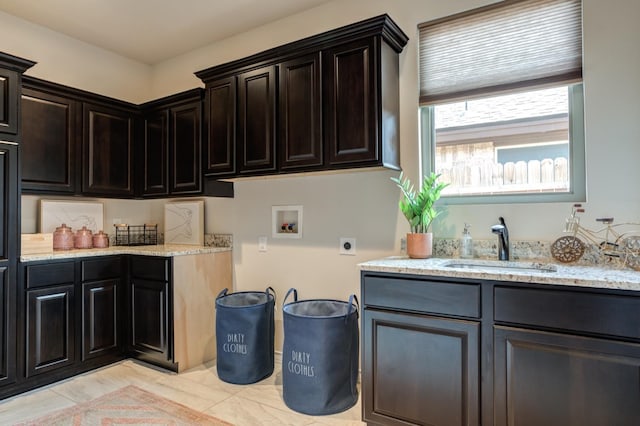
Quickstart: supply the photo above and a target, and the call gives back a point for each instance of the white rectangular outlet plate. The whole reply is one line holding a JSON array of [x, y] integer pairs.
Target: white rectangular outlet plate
[[262, 243], [348, 246]]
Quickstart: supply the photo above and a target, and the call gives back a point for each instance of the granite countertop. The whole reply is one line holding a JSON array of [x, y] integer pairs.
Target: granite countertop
[[568, 275], [157, 250]]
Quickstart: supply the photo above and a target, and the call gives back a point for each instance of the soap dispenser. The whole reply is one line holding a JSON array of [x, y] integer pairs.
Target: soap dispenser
[[466, 243]]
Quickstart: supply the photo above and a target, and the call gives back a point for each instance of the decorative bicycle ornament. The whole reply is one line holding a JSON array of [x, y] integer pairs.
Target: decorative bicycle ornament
[[618, 246]]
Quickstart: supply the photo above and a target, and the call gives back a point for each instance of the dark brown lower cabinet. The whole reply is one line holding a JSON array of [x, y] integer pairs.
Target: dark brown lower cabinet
[[547, 378], [99, 318], [445, 351], [150, 318], [420, 369], [75, 315], [101, 304], [151, 310], [50, 342], [70, 320], [7, 339], [9, 219]]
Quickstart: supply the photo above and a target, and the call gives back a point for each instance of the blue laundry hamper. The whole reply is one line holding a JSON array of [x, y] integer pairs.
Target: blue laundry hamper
[[320, 356], [244, 335]]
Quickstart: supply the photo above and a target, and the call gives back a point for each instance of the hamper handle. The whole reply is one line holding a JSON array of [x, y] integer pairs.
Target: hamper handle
[[353, 298], [222, 293], [274, 295], [269, 290], [295, 295]]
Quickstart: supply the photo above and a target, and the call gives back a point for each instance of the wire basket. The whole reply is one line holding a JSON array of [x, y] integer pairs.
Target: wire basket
[[136, 235]]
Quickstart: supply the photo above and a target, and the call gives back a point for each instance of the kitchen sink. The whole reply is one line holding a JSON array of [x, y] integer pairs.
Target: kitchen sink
[[497, 266]]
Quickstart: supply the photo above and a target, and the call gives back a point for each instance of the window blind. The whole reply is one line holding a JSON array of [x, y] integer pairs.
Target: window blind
[[501, 47]]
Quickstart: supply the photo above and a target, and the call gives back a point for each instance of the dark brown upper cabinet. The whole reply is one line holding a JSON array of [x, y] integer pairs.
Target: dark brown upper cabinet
[[80, 143], [8, 101], [171, 145], [335, 104], [186, 142], [220, 124], [50, 142], [107, 151], [350, 102], [75, 142], [300, 129], [154, 176], [256, 137], [11, 70]]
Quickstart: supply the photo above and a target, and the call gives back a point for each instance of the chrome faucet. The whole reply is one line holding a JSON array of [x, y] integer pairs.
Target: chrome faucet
[[503, 239]]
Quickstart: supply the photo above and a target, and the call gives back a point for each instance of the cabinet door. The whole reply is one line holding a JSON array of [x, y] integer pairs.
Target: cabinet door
[[8, 101], [50, 130], [100, 318], [553, 379], [300, 137], [220, 113], [108, 151], [420, 370], [9, 201], [257, 120], [150, 319], [185, 148], [155, 147], [50, 329], [350, 102], [7, 329]]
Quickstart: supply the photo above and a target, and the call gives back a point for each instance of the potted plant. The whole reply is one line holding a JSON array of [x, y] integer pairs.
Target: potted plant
[[418, 208]]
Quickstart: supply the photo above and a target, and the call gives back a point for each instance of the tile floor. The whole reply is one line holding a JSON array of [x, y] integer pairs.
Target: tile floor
[[199, 388]]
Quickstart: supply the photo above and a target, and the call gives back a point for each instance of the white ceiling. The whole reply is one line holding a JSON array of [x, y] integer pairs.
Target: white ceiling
[[151, 31]]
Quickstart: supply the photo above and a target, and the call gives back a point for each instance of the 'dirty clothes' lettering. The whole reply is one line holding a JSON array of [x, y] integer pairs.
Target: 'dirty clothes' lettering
[[235, 344], [300, 364]]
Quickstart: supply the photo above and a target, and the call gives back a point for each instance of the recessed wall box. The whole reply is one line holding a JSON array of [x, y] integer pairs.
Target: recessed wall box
[[286, 221]]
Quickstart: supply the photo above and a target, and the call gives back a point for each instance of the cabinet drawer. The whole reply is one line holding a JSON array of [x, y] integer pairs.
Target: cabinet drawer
[[423, 295], [152, 268], [608, 314], [49, 274], [101, 269]]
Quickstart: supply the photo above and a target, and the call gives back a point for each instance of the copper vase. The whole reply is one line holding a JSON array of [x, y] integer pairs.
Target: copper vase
[[420, 246]]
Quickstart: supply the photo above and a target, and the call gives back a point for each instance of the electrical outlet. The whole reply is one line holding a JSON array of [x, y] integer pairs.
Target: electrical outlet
[[262, 243], [403, 245], [348, 246]]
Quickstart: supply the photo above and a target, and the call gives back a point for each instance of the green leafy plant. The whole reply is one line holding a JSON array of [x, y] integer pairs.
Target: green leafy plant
[[418, 206]]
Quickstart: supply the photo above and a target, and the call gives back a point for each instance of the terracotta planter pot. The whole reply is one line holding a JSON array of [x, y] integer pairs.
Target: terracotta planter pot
[[420, 246]]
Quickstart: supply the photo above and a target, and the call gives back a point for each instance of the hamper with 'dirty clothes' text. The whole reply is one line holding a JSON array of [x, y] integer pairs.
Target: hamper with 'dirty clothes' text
[[320, 355], [244, 335]]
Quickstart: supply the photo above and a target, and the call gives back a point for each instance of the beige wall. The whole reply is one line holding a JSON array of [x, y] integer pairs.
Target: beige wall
[[363, 204], [68, 61]]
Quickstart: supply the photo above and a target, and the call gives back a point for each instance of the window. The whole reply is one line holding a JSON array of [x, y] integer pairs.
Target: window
[[501, 102]]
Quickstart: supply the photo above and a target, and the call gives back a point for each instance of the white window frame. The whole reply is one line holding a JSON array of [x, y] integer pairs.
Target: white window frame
[[577, 169]]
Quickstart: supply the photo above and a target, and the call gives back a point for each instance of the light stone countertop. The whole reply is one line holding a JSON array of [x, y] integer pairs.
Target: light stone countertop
[[567, 275], [157, 250]]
